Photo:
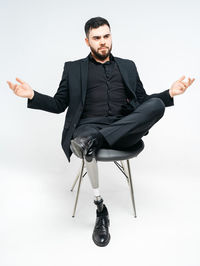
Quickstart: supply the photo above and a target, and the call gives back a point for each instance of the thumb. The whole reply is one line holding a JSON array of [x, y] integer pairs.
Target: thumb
[[181, 78], [20, 81]]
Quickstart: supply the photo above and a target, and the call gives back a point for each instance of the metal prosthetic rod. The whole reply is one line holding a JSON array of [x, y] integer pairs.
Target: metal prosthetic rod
[[92, 170]]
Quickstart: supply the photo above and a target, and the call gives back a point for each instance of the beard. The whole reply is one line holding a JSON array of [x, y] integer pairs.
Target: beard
[[101, 56]]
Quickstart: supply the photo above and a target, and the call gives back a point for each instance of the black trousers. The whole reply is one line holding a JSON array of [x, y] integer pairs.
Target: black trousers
[[123, 132]]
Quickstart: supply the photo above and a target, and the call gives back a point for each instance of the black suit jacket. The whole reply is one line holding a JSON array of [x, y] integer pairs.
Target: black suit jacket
[[72, 91]]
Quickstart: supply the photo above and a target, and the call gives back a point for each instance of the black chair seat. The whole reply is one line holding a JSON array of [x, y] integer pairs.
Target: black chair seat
[[108, 155]]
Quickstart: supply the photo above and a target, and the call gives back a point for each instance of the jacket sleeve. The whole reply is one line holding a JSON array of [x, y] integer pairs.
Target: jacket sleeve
[[143, 96], [56, 104]]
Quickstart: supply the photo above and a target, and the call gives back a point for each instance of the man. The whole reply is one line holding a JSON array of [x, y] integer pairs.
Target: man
[[107, 107]]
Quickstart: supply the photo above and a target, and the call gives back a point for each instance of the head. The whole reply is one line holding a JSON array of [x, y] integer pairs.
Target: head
[[98, 38]]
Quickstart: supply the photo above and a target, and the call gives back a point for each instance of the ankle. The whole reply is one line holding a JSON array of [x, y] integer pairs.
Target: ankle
[[103, 212], [99, 204], [99, 140]]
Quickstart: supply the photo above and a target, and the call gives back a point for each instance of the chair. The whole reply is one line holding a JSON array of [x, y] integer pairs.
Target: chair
[[108, 155]]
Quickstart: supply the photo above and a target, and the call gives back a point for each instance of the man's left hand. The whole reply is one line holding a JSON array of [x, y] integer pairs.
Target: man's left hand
[[180, 86]]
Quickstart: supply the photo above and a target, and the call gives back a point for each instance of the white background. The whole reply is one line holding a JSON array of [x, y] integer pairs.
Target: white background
[[36, 227]]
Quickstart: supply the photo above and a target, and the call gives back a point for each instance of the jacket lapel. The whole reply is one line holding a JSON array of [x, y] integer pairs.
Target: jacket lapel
[[125, 72], [84, 77]]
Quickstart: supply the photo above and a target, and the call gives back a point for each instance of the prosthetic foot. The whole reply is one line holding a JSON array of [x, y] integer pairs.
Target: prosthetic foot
[[101, 235]]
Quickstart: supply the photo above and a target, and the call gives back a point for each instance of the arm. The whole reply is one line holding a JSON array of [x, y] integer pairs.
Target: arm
[[177, 88], [56, 104], [143, 96]]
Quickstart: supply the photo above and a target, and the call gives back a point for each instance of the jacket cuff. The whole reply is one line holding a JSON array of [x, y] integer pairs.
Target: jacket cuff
[[168, 99], [31, 102]]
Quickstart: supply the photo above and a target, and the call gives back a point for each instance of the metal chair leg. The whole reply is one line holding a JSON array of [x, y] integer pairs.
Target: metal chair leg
[[77, 177], [79, 184], [125, 170], [131, 187], [122, 164]]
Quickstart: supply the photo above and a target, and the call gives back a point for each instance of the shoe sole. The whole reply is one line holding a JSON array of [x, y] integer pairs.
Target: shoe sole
[[77, 149], [104, 244]]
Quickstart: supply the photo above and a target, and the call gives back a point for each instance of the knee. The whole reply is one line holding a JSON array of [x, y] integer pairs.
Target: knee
[[158, 106]]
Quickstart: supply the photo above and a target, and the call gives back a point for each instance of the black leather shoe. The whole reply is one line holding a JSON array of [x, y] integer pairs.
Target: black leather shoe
[[84, 147], [101, 235]]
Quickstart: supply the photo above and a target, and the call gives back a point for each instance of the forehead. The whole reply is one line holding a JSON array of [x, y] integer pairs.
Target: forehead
[[100, 31]]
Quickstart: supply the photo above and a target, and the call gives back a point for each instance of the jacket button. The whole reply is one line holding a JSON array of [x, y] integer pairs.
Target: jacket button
[[74, 125]]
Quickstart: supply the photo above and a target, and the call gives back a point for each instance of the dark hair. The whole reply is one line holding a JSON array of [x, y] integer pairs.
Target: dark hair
[[94, 23]]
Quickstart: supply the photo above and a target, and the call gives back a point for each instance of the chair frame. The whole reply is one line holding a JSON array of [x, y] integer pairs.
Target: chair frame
[[124, 168]]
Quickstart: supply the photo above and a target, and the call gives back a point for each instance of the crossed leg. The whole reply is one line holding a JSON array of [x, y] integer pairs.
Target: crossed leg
[[120, 133]]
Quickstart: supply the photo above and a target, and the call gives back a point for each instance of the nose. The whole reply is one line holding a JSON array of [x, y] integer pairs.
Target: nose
[[102, 41]]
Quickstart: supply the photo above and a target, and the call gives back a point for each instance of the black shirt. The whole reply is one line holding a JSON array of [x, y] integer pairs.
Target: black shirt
[[106, 91]]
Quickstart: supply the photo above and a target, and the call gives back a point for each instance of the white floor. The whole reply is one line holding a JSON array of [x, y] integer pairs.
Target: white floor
[[37, 227]]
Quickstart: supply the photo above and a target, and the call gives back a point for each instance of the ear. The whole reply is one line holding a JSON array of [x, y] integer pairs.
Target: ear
[[87, 41]]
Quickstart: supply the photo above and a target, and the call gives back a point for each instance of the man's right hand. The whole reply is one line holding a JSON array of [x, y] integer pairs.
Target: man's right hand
[[23, 89]]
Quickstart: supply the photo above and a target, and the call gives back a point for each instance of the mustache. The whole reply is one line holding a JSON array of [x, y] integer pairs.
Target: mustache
[[102, 47]]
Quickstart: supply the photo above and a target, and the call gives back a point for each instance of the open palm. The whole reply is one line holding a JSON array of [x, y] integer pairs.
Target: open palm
[[180, 86], [22, 89]]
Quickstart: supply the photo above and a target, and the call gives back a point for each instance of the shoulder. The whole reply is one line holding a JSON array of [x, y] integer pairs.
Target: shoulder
[[77, 61], [75, 64], [125, 61]]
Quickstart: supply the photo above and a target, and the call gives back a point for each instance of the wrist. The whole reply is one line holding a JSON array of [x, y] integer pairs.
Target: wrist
[[171, 93], [32, 95]]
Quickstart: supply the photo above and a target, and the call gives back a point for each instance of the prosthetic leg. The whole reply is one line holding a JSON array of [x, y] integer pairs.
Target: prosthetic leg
[[92, 171], [101, 235]]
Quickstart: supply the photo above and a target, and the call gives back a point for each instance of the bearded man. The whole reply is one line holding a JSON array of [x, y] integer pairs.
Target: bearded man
[[107, 108]]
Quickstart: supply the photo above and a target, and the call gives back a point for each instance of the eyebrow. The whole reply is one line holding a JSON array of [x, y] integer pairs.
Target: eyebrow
[[96, 36]]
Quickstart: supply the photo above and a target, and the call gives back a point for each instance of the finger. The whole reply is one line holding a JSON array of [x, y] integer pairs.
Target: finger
[[191, 81], [11, 85], [15, 87], [181, 78], [184, 83], [19, 80], [182, 86]]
